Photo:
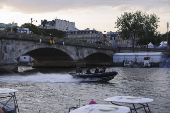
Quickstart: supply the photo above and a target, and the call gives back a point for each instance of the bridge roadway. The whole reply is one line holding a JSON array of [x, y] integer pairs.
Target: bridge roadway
[[115, 49], [69, 53]]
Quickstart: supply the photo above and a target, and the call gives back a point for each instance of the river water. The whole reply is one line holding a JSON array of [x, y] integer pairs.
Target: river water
[[55, 91]]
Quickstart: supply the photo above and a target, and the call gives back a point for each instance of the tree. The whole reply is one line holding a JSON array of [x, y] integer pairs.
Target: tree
[[137, 25], [14, 29], [46, 32], [164, 37], [31, 27], [156, 40]]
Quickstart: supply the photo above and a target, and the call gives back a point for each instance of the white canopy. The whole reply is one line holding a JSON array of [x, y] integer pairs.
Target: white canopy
[[7, 90], [143, 54], [155, 57], [150, 45], [101, 108], [129, 99], [163, 43]]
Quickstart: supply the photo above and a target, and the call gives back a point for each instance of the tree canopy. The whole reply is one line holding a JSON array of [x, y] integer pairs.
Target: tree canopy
[[137, 25], [164, 37], [46, 32]]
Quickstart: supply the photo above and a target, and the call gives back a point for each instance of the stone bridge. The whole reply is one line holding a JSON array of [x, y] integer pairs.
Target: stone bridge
[[60, 54]]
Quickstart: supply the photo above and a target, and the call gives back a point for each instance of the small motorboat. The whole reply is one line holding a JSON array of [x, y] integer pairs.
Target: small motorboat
[[104, 76], [8, 101]]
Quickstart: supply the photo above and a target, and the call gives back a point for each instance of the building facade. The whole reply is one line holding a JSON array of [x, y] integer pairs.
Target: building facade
[[62, 25], [23, 30], [91, 36], [4, 26], [114, 39]]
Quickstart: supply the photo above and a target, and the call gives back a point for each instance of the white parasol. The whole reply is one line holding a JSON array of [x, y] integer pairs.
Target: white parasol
[[7, 90], [101, 108], [129, 99]]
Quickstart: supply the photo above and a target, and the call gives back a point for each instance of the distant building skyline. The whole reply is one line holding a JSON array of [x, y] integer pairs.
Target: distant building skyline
[[59, 24], [98, 14]]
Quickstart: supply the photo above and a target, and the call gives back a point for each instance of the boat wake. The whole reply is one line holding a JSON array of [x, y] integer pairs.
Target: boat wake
[[39, 77]]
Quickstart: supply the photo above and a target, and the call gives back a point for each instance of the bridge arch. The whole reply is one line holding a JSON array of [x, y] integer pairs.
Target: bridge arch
[[88, 52], [49, 54], [99, 58], [32, 49]]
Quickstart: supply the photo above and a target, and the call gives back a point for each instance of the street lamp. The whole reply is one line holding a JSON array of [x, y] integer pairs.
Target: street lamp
[[31, 24], [167, 35], [66, 31], [104, 37], [91, 36], [144, 28]]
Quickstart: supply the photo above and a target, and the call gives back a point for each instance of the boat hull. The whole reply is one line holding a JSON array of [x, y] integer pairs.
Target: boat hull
[[95, 76]]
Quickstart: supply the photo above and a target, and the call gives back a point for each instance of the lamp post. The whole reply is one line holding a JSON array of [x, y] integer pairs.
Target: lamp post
[[91, 36], [66, 31], [104, 37], [144, 28], [167, 35], [31, 24]]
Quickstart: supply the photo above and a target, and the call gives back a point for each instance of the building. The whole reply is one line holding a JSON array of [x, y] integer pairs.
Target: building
[[87, 35], [62, 25], [23, 30], [114, 39], [5, 26]]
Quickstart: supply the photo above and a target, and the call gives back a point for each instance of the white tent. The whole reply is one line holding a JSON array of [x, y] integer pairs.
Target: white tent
[[155, 57], [150, 45], [163, 43]]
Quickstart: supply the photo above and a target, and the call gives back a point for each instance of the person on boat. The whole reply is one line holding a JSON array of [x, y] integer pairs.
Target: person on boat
[[88, 71], [104, 69], [79, 70], [97, 70]]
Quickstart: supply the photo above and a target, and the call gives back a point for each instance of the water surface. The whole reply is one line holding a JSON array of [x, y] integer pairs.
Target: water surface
[[54, 90]]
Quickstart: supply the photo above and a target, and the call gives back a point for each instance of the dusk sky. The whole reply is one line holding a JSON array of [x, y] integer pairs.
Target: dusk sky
[[98, 14]]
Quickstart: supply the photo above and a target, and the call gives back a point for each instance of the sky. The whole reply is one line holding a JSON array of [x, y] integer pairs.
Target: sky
[[100, 15]]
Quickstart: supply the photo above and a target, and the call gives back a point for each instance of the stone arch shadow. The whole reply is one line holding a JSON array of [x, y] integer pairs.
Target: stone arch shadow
[[98, 58]]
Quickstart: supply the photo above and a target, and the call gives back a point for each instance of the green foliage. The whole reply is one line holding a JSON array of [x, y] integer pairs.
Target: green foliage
[[156, 40], [53, 33], [46, 32], [8, 29], [98, 42], [137, 25], [14, 29], [164, 37]]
